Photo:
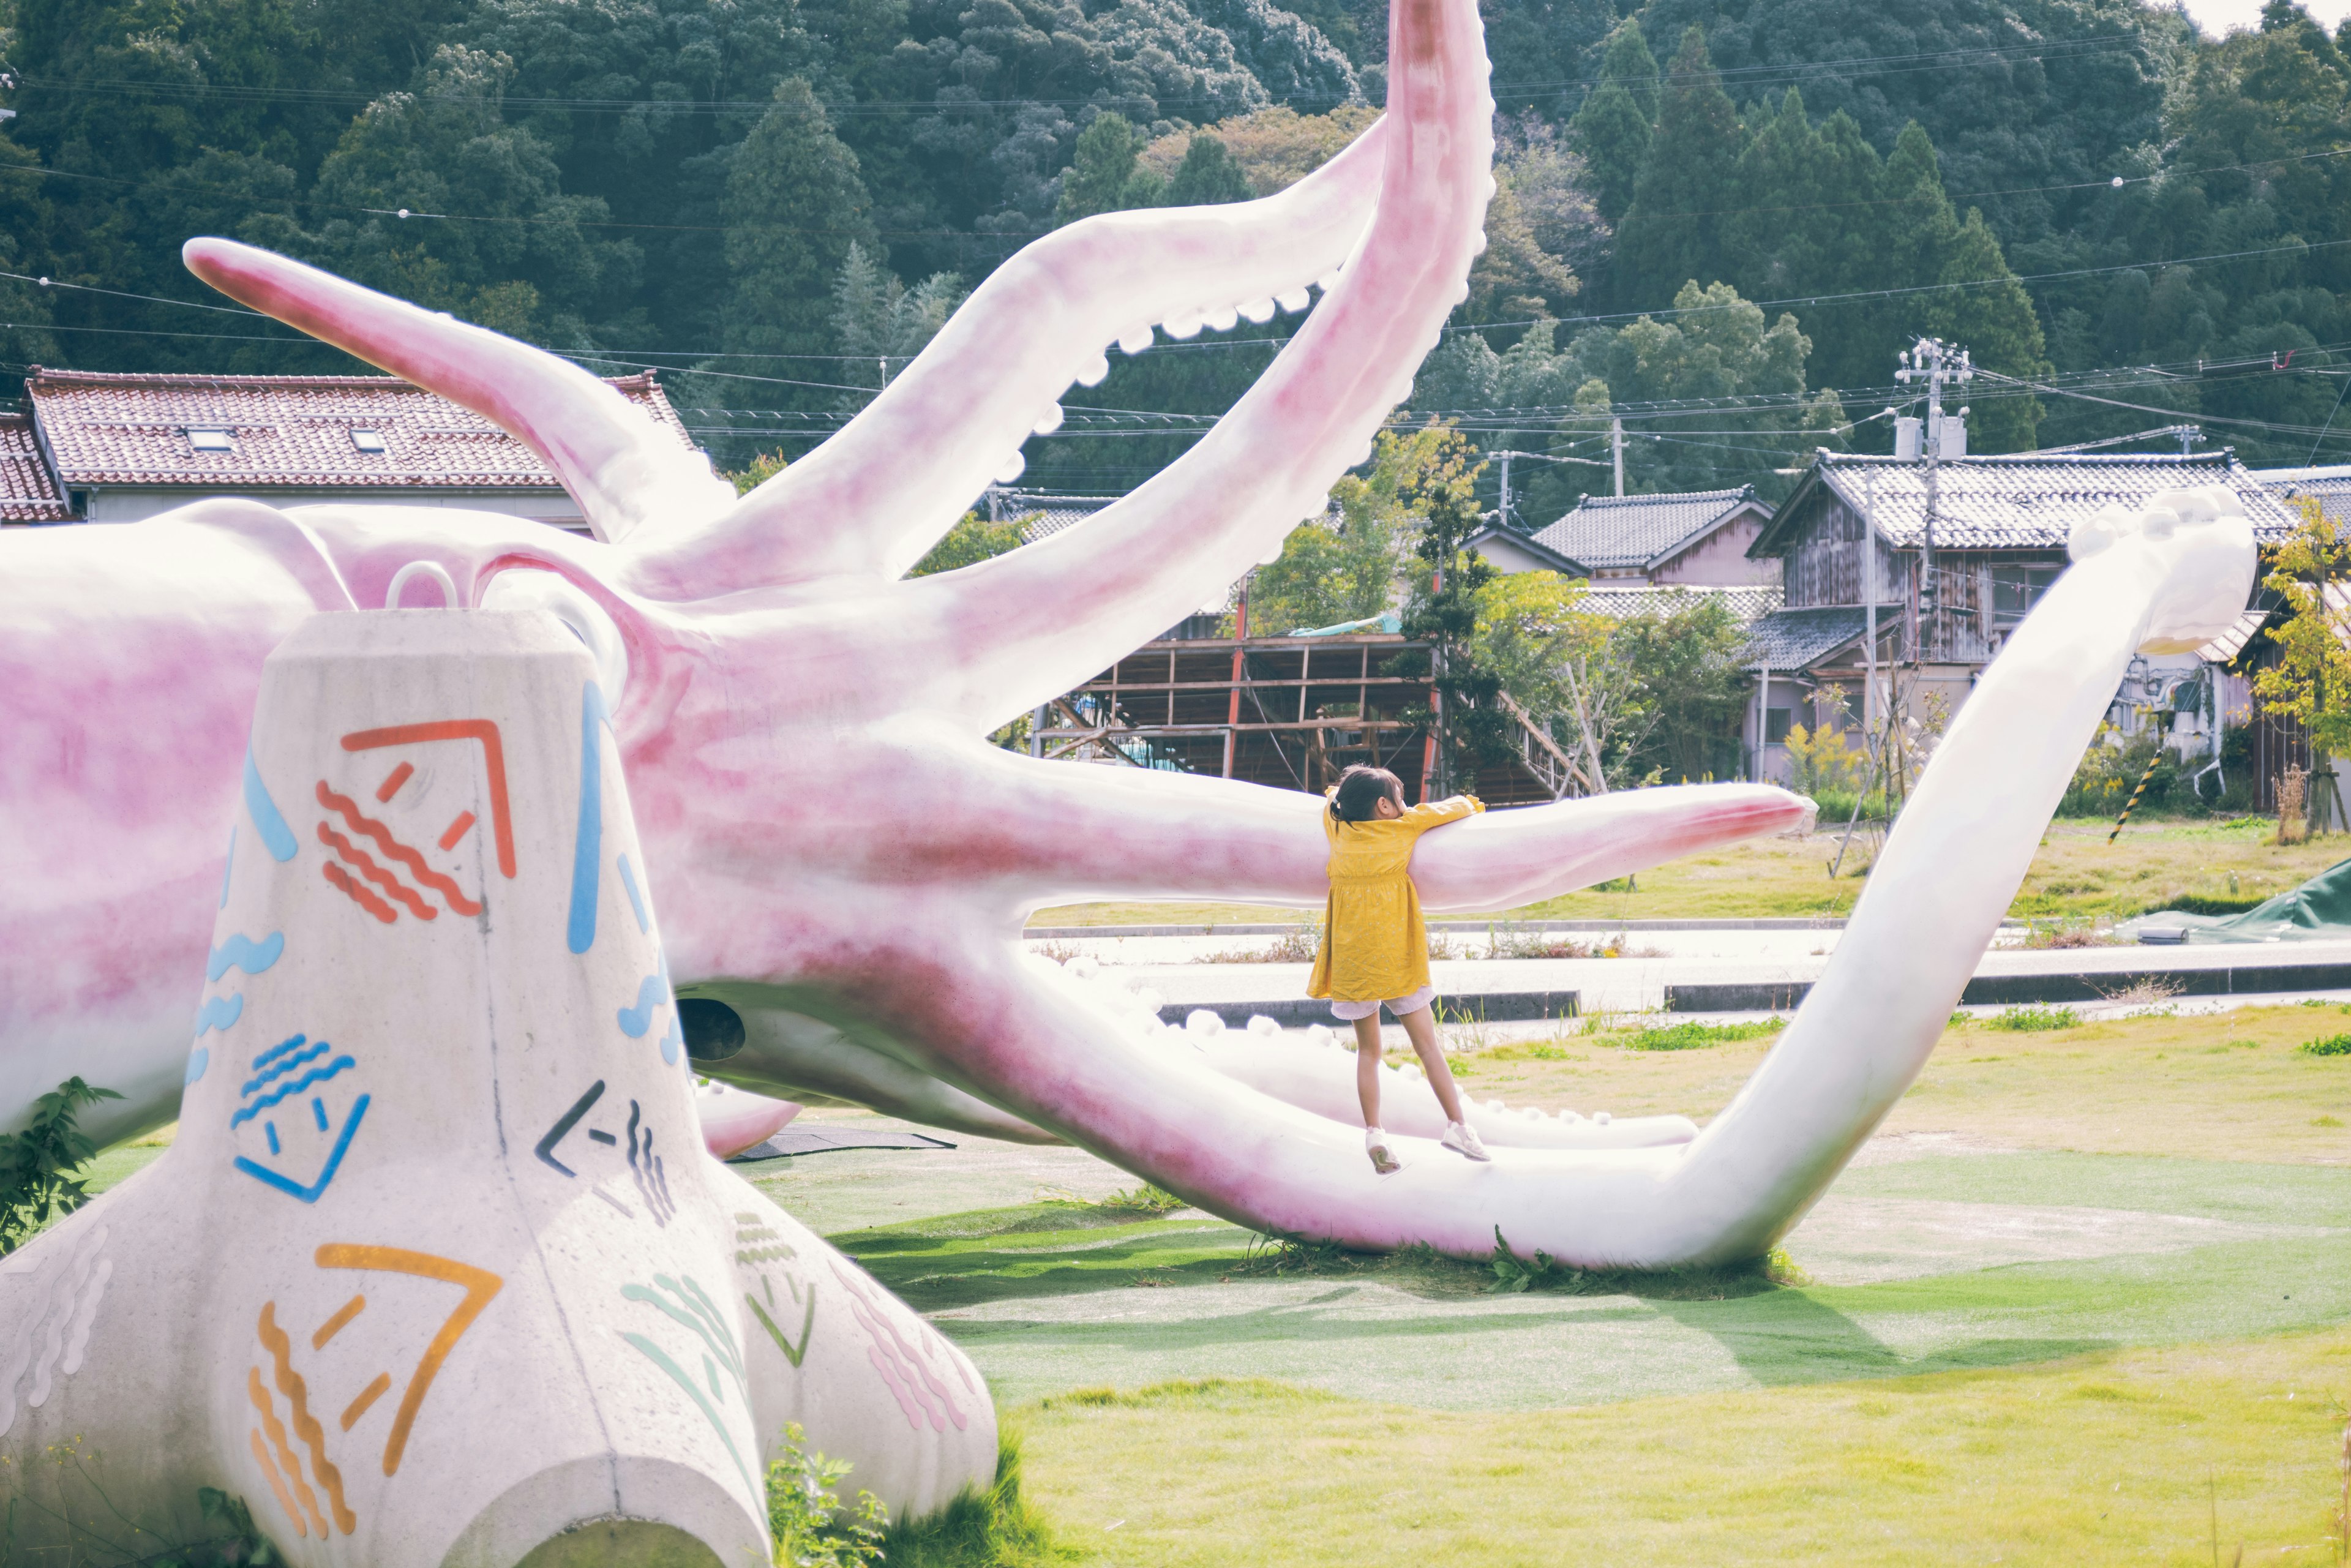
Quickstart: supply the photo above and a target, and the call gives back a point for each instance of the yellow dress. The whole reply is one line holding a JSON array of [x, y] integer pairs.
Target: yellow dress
[[1374, 946]]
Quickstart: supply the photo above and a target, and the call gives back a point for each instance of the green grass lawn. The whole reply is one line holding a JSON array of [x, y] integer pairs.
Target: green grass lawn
[[2055, 1316], [2076, 875], [2087, 1299]]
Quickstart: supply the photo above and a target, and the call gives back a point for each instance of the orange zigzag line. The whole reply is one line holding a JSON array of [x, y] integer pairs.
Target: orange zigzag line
[[306, 1425], [397, 850], [376, 874], [260, 1397], [277, 1484]]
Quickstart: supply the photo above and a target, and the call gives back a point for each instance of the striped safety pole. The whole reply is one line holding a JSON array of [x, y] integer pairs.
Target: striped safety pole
[[2143, 777]]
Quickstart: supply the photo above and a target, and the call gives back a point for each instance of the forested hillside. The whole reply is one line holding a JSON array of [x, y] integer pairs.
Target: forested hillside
[[1716, 222]]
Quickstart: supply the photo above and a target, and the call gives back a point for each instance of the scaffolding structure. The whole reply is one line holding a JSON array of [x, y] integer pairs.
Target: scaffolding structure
[[1289, 712]]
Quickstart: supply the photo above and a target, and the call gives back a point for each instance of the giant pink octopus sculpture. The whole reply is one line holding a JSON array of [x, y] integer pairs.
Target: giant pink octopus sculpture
[[840, 856]]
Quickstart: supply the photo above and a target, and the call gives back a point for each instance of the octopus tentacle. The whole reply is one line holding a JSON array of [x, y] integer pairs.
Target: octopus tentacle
[[1036, 621], [623, 468], [878, 493]]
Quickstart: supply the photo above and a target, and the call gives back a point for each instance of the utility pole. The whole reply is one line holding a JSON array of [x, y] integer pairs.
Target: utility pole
[[1932, 361], [1504, 517], [1616, 452], [1240, 644]]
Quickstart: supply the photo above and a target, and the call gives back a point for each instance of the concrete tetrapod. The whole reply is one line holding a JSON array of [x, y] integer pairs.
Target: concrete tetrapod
[[437, 1271]]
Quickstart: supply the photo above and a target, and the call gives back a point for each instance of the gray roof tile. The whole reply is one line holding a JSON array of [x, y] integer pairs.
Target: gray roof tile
[[2022, 502], [2331, 484], [1620, 532], [1795, 638], [1745, 604]]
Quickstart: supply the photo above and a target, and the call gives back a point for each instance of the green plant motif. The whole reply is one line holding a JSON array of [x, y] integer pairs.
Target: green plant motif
[[37, 1165], [2333, 1045], [811, 1526]]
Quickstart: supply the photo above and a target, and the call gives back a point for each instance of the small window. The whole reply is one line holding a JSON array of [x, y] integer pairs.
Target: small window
[[212, 440], [368, 440], [2015, 590], [1775, 725]]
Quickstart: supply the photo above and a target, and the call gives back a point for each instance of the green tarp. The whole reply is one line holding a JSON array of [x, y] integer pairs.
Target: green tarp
[[2320, 907]]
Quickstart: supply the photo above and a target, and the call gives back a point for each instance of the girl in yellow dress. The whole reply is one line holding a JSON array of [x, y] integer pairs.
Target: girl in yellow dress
[[1374, 947]]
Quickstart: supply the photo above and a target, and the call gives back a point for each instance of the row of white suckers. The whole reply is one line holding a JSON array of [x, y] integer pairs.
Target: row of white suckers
[[1138, 1006], [1182, 328]]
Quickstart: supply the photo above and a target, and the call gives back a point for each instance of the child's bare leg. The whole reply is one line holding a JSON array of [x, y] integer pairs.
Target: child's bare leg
[[1368, 1051], [1420, 1028]]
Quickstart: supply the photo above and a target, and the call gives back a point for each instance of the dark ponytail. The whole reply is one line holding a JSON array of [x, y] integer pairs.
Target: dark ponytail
[[1361, 789]]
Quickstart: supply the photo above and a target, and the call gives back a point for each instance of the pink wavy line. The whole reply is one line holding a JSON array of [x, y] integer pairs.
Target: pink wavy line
[[877, 1325], [397, 850], [376, 874]]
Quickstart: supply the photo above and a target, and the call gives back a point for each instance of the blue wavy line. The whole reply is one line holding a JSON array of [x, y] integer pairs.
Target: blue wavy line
[[315, 1075], [243, 952], [280, 1068], [671, 1040], [219, 1012], [228, 867], [198, 1059], [635, 1020], [587, 840]]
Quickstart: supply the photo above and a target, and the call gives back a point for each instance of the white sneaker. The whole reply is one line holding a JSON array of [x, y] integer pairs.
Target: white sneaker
[[1463, 1140], [1384, 1160]]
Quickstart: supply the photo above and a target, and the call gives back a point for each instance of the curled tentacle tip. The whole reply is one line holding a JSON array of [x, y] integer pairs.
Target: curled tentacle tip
[[1014, 466], [1262, 1026], [1478, 246], [1293, 300], [1222, 318], [1201, 1021], [1329, 280], [2089, 537], [1601, 1118], [1083, 967], [1094, 370], [1135, 339], [1257, 312], [2158, 522], [1047, 421], [2193, 508], [1184, 327]]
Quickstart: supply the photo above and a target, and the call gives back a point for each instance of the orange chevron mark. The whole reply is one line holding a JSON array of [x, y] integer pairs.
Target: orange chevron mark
[[368, 1395], [402, 853], [354, 855], [306, 1425], [292, 1466], [334, 1325], [360, 895], [494, 758], [391, 786], [479, 1285], [278, 1485], [448, 840]]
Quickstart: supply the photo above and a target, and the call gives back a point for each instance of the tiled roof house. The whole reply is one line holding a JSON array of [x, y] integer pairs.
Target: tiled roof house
[[2329, 484], [28, 491], [1851, 541], [1695, 539], [119, 447]]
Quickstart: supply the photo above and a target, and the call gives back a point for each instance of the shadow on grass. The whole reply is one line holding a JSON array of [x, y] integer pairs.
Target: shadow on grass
[[1793, 1337]]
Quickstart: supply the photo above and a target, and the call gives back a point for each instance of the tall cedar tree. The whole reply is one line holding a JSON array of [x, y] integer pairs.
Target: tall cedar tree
[[794, 205], [1673, 232], [1613, 129]]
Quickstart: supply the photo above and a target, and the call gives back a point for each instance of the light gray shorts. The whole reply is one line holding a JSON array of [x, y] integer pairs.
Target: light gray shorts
[[1349, 1011]]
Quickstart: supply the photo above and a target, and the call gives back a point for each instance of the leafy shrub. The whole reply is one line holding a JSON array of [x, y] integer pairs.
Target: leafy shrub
[[37, 1165], [2027, 1020], [2333, 1045], [812, 1528], [1698, 1036]]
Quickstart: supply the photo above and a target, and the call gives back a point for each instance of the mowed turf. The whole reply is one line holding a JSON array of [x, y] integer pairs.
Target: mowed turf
[[2055, 1317], [2077, 873]]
